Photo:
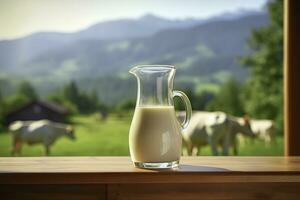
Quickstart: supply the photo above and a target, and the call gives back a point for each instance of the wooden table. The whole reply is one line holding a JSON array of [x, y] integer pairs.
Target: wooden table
[[115, 178]]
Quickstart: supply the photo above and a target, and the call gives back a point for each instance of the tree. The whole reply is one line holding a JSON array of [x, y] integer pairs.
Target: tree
[[263, 91], [1, 103], [26, 89], [203, 99], [83, 101], [2, 106], [58, 97], [15, 101], [24, 94], [126, 105], [228, 99], [71, 92]]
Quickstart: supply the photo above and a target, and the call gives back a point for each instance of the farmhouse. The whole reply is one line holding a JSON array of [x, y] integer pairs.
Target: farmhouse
[[37, 110]]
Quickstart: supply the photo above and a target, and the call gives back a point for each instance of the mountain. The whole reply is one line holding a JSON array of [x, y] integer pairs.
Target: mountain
[[129, 28], [205, 48], [18, 51], [13, 53], [236, 14], [203, 52]]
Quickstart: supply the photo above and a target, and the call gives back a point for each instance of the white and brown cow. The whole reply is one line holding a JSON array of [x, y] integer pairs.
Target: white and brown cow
[[34, 132], [214, 129]]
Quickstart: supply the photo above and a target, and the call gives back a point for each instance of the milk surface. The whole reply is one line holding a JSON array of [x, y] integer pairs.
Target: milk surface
[[155, 135]]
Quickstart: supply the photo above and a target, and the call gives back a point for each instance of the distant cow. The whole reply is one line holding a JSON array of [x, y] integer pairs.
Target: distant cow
[[33, 132], [238, 126], [214, 128], [264, 129]]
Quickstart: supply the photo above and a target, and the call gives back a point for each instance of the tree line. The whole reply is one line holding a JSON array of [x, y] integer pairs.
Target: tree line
[[70, 96]]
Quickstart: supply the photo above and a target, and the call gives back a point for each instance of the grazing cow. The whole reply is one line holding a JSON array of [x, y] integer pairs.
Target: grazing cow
[[33, 132], [214, 128], [238, 126], [205, 128], [195, 134], [264, 129]]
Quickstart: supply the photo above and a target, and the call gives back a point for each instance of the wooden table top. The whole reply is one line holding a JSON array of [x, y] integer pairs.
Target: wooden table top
[[40, 170]]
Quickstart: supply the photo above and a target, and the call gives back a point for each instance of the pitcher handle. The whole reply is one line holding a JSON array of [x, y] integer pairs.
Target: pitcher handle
[[187, 105]]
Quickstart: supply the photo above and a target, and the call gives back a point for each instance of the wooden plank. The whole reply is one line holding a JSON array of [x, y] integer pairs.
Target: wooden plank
[[97, 170], [123, 164], [57, 192], [291, 77], [110, 178], [207, 191], [230, 191]]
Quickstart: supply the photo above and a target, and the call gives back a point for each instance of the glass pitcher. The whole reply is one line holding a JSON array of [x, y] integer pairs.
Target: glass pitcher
[[155, 134]]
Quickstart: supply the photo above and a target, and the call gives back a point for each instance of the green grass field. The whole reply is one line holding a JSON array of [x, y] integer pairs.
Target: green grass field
[[110, 138]]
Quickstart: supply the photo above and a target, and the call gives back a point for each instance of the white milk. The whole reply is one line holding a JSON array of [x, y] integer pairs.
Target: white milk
[[155, 135]]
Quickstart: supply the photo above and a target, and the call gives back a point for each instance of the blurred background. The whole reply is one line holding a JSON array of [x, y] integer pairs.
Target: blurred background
[[68, 61]]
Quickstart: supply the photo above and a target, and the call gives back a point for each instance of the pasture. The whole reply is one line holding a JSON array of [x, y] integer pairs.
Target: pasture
[[110, 138]]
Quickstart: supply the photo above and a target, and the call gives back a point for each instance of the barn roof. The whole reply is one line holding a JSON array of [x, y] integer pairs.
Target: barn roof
[[49, 105]]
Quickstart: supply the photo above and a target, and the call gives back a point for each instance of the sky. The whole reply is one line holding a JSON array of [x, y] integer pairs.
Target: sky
[[23, 17]]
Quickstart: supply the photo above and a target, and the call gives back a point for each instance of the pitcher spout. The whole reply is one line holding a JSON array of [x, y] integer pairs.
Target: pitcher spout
[[133, 70]]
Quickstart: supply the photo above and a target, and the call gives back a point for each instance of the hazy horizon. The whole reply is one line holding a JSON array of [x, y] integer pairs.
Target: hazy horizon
[[32, 16]]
